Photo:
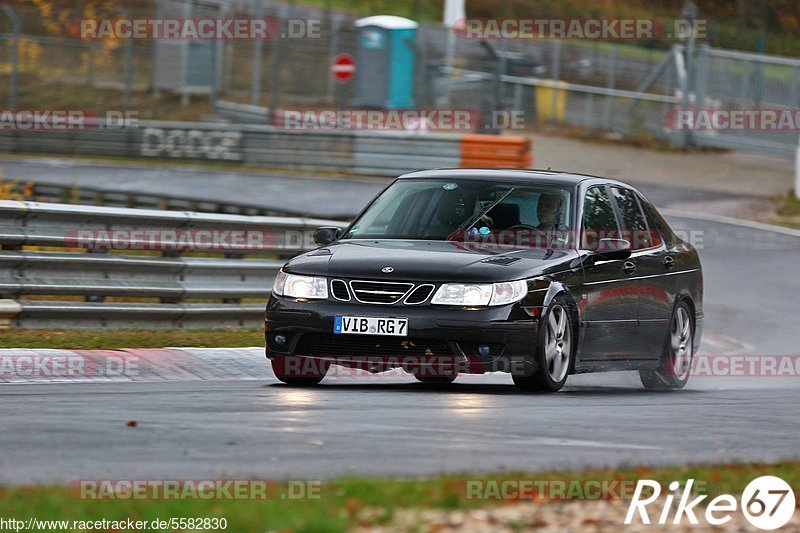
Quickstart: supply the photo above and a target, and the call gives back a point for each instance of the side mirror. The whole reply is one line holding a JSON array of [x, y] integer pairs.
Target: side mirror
[[327, 235], [613, 249]]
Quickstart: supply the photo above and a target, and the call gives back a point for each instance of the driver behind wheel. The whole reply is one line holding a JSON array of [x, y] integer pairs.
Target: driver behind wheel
[[548, 211]]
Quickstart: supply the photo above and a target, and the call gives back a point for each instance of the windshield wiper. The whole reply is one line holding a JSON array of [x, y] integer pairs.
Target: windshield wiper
[[474, 220]]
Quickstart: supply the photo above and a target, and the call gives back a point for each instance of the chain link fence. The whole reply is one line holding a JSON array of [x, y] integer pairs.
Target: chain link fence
[[590, 86]]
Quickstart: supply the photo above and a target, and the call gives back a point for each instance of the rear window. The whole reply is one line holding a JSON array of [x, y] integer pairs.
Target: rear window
[[633, 219], [659, 228]]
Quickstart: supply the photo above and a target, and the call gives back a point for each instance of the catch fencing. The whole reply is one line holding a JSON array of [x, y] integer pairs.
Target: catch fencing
[[71, 266], [592, 86]]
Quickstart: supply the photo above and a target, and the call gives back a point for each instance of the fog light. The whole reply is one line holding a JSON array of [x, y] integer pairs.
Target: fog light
[[483, 350], [279, 340]]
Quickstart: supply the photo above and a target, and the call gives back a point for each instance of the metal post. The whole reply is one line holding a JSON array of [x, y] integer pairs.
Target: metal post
[[7, 9], [258, 49], [334, 23], [128, 74], [612, 73], [700, 76], [227, 77], [556, 75], [214, 73], [797, 172], [274, 65], [587, 118], [90, 64], [495, 93], [682, 138]]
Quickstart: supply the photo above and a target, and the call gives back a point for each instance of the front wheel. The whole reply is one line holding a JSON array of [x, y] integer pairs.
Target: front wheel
[[299, 371], [676, 362], [554, 351]]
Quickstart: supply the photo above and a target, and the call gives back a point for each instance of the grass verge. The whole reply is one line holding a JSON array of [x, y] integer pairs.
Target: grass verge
[[346, 503], [787, 212], [129, 338]]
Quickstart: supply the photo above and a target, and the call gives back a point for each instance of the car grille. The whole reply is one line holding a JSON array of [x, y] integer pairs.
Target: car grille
[[379, 292], [369, 345], [339, 290], [419, 295]]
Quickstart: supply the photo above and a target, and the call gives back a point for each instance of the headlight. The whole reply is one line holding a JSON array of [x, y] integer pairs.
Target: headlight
[[480, 294], [509, 292], [300, 286]]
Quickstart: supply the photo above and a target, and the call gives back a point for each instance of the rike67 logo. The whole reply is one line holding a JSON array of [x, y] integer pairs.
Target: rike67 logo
[[767, 502]]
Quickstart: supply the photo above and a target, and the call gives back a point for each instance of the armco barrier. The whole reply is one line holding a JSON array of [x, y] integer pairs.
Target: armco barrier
[[383, 153], [487, 151], [379, 153], [35, 191], [161, 291]]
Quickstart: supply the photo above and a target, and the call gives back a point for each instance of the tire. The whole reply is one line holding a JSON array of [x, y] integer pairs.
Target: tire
[[555, 347], [299, 371], [673, 371], [435, 380]]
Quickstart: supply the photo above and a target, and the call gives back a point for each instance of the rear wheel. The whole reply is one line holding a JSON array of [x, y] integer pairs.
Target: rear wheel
[[299, 371], [676, 362], [554, 351]]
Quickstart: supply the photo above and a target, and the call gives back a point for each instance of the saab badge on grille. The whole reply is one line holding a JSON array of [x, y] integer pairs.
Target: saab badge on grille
[[387, 270]]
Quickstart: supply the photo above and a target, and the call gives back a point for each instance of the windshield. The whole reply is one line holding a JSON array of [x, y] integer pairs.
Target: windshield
[[452, 209]]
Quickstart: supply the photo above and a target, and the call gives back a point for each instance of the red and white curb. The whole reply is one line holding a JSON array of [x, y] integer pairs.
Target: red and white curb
[[145, 364]]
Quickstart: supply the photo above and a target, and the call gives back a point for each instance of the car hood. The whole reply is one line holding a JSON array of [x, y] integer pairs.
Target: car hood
[[434, 261]]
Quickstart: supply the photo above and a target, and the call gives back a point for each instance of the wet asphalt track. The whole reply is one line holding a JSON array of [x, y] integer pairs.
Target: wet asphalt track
[[395, 426]]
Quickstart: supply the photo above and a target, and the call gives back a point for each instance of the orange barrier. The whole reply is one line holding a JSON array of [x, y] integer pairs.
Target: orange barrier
[[495, 151]]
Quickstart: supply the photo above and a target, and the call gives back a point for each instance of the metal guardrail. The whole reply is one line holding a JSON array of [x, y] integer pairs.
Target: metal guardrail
[[379, 153], [242, 113], [161, 287], [30, 190]]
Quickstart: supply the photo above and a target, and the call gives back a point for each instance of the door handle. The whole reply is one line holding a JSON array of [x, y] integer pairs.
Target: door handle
[[629, 267], [669, 261]]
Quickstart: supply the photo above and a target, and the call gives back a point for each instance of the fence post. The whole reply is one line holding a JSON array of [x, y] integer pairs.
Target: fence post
[[9, 11], [555, 75], [334, 22], [681, 137], [612, 74], [128, 74], [797, 172], [89, 63], [274, 63], [258, 48]]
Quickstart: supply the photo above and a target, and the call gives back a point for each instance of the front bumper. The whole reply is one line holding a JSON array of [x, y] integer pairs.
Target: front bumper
[[435, 333]]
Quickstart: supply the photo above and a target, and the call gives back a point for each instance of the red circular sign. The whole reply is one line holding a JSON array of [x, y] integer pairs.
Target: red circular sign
[[344, 67]]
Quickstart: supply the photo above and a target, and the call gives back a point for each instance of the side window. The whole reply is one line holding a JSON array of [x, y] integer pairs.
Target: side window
[[659, 228], [599, 221], [635, 229]]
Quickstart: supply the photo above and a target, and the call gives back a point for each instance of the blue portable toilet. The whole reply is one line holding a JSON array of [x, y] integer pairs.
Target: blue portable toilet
[[385, 61]]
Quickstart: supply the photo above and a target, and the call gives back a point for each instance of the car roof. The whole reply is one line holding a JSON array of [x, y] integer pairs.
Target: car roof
[[515, 174]]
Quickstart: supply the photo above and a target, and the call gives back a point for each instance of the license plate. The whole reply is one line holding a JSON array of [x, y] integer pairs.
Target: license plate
[[370, 325]]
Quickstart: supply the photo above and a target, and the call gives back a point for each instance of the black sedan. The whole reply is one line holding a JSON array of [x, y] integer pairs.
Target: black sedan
[[538, 273]]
